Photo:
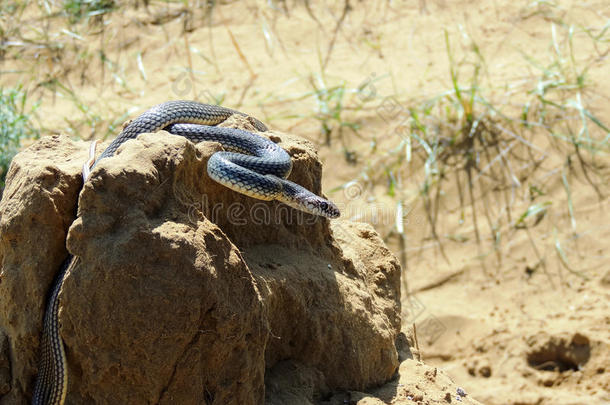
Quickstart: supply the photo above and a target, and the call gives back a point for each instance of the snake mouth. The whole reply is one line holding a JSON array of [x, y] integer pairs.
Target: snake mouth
[[324, 208], [302, 199], [312, 204]]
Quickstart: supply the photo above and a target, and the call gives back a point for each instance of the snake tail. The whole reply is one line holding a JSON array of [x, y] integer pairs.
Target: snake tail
[[52, 381]]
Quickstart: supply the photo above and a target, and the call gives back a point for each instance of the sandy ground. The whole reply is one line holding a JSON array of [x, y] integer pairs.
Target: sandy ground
[[518, 324]]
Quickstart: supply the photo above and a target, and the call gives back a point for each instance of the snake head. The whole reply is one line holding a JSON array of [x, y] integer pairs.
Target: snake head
[[312, 204], [302, 199], [322, 207]]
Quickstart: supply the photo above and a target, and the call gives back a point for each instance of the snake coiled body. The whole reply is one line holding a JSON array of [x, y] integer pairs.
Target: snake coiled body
[[251, 164]]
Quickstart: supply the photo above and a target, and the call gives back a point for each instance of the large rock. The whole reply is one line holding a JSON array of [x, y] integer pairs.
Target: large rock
[[37, 208], [187, 292]]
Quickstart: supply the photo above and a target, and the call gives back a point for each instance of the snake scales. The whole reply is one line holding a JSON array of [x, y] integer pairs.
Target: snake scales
[[250, 164]]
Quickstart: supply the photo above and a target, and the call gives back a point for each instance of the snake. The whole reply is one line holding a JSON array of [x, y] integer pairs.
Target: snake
[[249, 163]]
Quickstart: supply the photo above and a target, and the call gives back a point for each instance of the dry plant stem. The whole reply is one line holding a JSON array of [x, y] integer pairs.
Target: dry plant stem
[[469, 168], [439, 282], [331, 45], [273, 26], [402, 242], [583, 166], [485, 199], [187, 22], [437, 198], [244, 60], [312, 15], [245, 91], [430, 216], [103, 65], [490, 223], [564, 263], [415, 341], [507, 180], [190, 62], [209, 15], [241, 55], [566, 186], [418, 256], [460, 193], [541, 260], [469, 165]]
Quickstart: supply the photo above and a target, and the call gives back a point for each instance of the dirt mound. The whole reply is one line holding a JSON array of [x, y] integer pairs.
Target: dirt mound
[[170, 307]]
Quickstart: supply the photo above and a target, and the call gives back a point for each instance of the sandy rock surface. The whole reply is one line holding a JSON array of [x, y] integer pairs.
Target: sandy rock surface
[[37, 208], [187, 292]]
